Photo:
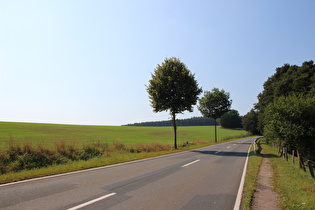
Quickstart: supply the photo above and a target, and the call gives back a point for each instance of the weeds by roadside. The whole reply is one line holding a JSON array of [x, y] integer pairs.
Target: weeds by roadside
[[17, 158]]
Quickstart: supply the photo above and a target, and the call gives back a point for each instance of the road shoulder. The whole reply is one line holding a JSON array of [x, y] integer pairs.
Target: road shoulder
[[265, 197]]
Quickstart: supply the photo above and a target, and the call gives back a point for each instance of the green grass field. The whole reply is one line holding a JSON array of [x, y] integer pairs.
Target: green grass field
[[48, 135]]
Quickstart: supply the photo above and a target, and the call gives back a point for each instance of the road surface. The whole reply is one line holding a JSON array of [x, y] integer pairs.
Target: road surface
[[205, 178]]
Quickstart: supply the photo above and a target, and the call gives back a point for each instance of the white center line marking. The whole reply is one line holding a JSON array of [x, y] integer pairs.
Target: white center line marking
[[228, 146], [92, 201], [191, 163], [217, 152]]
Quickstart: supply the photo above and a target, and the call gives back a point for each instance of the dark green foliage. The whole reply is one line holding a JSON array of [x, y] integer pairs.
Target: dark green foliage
[[173, 87], [231, 119], [286, 108], [194, 121], [286, 81], [250, 122], [291, 120], [214, 104]]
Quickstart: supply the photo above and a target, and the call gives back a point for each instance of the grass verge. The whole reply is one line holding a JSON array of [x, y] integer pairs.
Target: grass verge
[[295, 187], [253, 167]]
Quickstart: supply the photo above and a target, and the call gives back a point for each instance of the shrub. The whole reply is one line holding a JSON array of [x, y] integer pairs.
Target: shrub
[[119, 145], [291, 120]]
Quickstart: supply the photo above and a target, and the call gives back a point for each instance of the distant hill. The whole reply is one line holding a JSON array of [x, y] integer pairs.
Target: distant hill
[[194, 121]]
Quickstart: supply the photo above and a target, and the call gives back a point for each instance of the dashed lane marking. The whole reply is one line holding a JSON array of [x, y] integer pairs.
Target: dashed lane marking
[[191, 163], [92, 201]]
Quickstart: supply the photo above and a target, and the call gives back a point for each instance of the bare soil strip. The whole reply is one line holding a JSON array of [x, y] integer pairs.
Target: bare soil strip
[[265, 197]]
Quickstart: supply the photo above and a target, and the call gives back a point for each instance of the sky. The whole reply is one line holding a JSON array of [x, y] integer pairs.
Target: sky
[[87, 62]]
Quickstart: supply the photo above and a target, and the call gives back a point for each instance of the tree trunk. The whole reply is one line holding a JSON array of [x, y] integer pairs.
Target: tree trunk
[[281, 152], [175, 128], [293, 157], [215, 130], [309, 163]]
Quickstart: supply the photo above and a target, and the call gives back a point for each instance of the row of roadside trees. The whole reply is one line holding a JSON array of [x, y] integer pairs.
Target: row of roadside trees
[[285, 112], [173, 87]]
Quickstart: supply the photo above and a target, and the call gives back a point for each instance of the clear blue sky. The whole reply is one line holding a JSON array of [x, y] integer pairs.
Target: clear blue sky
[[87, 62]]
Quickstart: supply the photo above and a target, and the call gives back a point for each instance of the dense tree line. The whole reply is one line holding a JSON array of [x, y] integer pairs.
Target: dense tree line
[[194, 121], [285, 110], [288, 80], [231, 119], [250, 122]]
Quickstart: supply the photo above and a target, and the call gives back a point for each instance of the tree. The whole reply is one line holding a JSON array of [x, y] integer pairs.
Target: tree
[[214, 104], [291, 121], [173, 87], [231, 119], [286, 81], [250, 122]]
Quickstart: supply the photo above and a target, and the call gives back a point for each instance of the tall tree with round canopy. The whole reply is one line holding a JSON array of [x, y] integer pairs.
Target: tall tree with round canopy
[[173, 87], [214, 104]]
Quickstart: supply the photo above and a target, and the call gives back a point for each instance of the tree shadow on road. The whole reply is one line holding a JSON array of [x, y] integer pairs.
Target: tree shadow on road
[[221, 153]]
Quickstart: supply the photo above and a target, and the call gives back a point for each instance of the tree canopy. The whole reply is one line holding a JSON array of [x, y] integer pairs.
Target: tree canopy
[[214, 104], [231, 119], [250, 122], [286, 81], [285, 109], [291, 121], [173, 87]]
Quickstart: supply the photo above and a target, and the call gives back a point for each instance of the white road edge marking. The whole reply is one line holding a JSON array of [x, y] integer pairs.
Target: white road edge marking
[[191, 163], [237, 204], [92, 201]]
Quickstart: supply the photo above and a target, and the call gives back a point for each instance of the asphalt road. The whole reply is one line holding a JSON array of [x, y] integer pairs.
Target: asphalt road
[[206, 178]]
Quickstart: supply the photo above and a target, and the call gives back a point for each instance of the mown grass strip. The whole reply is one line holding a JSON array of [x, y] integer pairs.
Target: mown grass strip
[[295, 187], [254, 163]]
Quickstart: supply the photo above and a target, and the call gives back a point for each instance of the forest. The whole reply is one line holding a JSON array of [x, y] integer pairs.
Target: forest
[[194, 121]]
